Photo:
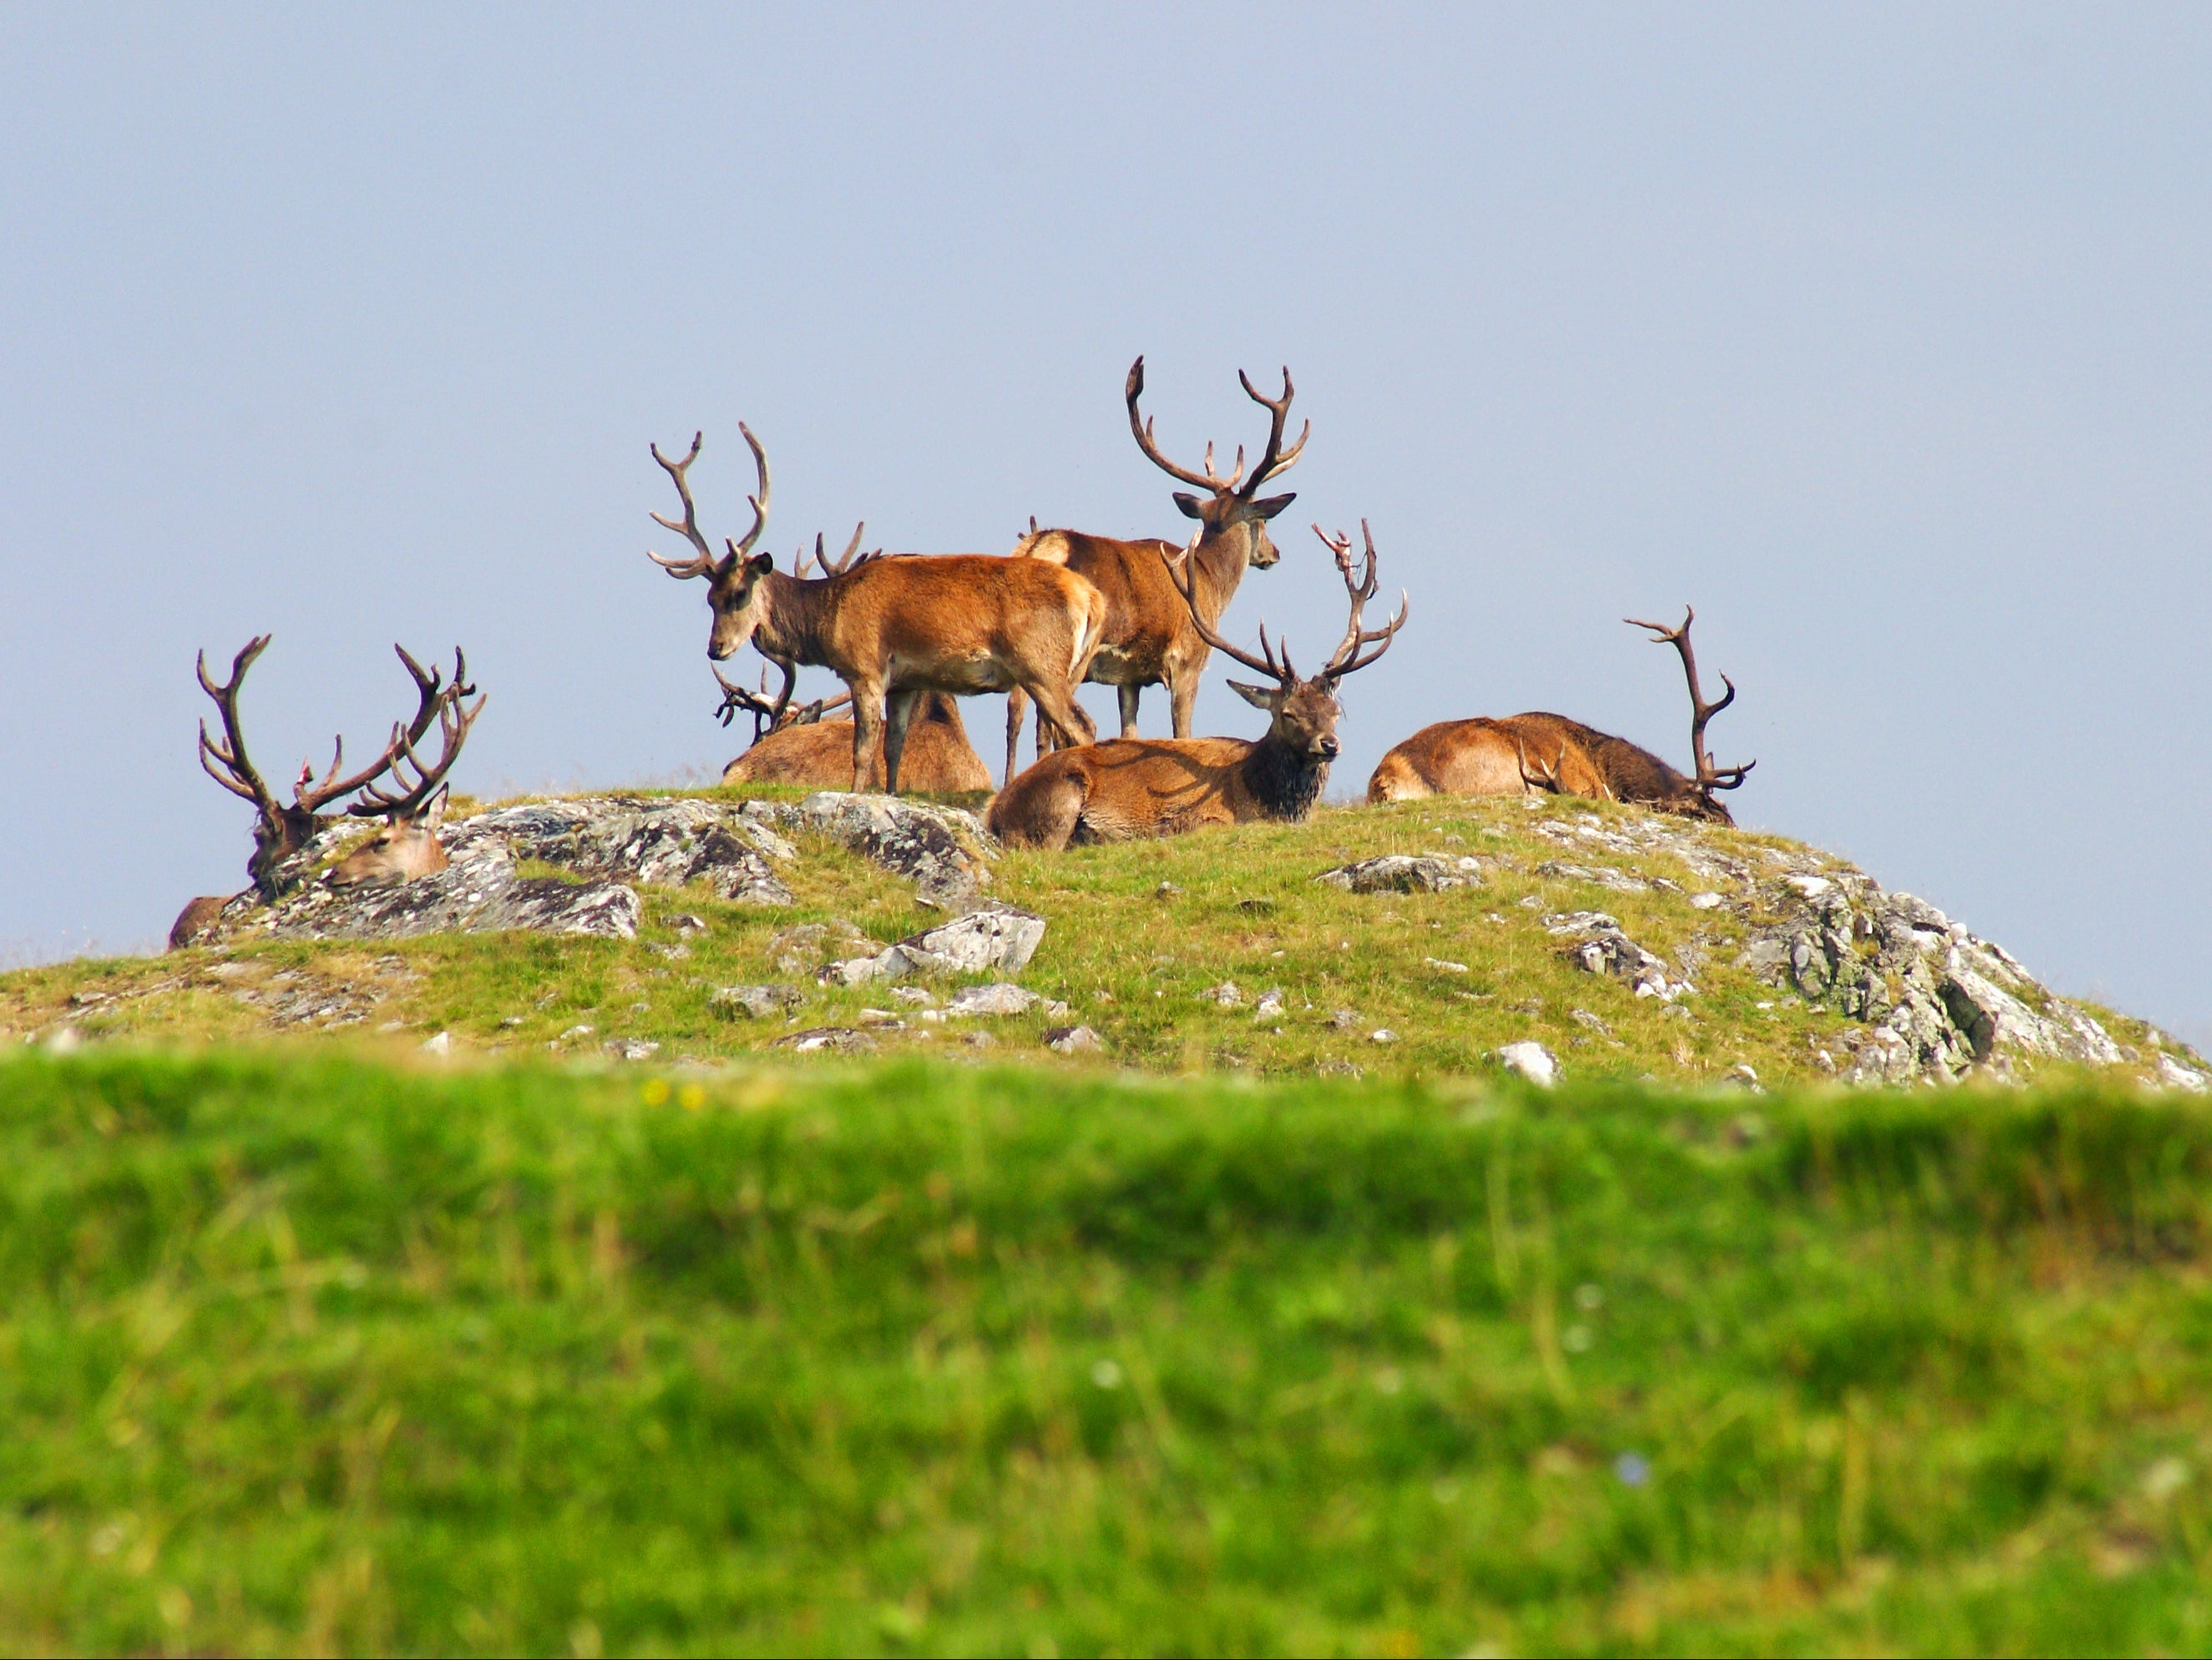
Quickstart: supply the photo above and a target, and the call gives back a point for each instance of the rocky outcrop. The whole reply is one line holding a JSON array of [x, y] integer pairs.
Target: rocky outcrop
[[1403, 873], [941, 850], [1003, 937], [1596, 945]]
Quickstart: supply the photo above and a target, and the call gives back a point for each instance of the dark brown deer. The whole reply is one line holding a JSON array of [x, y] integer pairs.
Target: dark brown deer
[[800, 746], [1550, 752], [892, 628], [1132, 786], [1151, 637], [280, 829]]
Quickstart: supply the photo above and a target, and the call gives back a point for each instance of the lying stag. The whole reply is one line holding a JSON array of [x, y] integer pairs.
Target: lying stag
[[799, 746], [406, 845], [1505, 757], [1132, 788], [894, 628], [1152, 636]]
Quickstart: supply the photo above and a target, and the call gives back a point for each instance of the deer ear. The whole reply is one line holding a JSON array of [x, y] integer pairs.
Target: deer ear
[[1191, 506], [1259, 698], [437, 815], [1269, 506], [761, 564]]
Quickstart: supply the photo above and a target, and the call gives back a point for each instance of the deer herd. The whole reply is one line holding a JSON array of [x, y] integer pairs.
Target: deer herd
[[910, 635]]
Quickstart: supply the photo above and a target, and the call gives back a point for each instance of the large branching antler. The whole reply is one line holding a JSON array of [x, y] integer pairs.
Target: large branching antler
[[1179, 572], [237, 774], [1274, 460], [453, 724], [773, 715], [703, 562], [843, 563], [1709, 777], [1350, 656]]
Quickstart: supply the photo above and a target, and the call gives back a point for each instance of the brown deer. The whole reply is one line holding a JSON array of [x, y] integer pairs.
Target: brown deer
[[1132, 786], [281, 830], [799, 746], [1150, 636], [892, 628], [407, 845], [1550, 752]]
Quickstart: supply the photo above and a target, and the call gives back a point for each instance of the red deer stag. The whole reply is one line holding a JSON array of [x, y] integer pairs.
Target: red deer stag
[[1151, 638], [894, 628], [1132, 786], [1551, 752], [405, 847], [799, 746]]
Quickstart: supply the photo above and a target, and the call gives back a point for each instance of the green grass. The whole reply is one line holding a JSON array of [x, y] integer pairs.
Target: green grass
[[1128, 959], [301, 1353]]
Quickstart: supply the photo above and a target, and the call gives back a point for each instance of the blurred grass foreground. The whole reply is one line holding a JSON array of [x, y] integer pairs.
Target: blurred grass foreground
[[301, 1353]]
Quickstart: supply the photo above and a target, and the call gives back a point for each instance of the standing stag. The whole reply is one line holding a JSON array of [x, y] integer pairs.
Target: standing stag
[[406, 845], [799, 746], [1130, 788], [1540, 752], [1152, 636], [894, 628]]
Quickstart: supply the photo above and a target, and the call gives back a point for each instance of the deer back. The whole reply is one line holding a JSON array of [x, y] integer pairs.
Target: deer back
[[938, 760]]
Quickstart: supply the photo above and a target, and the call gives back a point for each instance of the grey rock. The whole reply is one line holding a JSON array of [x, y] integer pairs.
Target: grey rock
[[632, 1048], [1597, 945], [997, 999], [1225, 995], [755, 1002], [941, 850], [839, 1040], [1073, 1040], [992, 936], [1532, 1060], [1270, 1005], [2172, 1073], [665, 842], [1602, 876], [441, 1044], [1403, 873]]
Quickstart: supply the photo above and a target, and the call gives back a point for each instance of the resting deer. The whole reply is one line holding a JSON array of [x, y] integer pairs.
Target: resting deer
[[1150, 636], [894, 628], [1132, 786], [1550, 752], [799, 746], [407, 845]]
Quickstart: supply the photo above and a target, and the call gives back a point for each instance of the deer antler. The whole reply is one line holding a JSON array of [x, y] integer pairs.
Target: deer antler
[[772, 715], [1208, 480], [1547, 778], [453, 724], [703, 562], [1709, 777], [1348, 658], [1274, 460], [843, 563], [238, 774], [1179, 568]]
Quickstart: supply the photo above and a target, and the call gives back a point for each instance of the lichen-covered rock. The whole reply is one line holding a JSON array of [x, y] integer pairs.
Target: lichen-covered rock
[[1074, 1040], [478, 892], [997, 936], [997, 998], [755, 1002], [665, 842], [1596, 944], [941, 850], [840, 1040], [1403, 873]]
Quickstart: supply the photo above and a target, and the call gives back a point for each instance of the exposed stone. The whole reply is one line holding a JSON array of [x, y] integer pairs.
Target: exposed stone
[[1597, 945], [2171, 1072], [1073, 1040], [1270, 1005], [1225, 994], [996, 999], [941, 850], [995, 936], [755, 1002], [441, 1044], [1403, 873], [1532, 1060], [665, 842], [632, 1048], [841, 1040], [1601, 876]]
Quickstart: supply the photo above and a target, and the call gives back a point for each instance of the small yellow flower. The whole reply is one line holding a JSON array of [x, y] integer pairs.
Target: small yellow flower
[[692, 1095], [655, 1092]]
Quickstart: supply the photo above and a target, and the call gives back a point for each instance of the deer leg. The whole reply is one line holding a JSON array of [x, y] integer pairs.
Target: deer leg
[[898, 715], [1126, 696], [867, 731], [1058, 703], [1017, 706], [1183, 698]]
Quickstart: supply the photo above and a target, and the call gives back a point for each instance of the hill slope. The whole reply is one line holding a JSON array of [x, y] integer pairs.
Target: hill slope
[[1750, 952]]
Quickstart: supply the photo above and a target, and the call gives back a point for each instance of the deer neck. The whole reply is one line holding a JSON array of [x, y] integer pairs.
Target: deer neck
[[1220, 560], [794, 618], [1282, 782]]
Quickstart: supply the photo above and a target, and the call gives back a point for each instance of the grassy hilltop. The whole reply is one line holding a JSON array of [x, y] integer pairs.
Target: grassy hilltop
[[1245, 1333]]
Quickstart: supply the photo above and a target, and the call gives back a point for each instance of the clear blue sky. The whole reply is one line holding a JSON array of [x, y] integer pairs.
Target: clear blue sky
[[1880, 333]]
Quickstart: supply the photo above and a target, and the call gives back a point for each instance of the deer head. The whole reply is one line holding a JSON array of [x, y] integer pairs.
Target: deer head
[[1228, 504], [1697, 799], [733, 580], [1303, 714], [281, 830], [403, 849]]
